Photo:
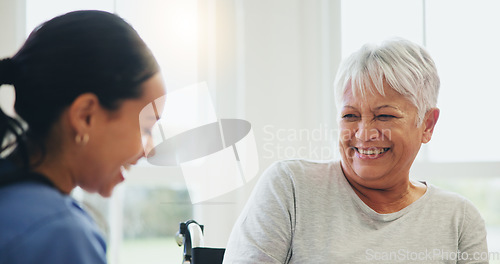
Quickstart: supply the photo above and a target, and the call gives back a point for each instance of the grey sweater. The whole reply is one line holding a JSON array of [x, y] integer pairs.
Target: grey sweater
[[306, 212]]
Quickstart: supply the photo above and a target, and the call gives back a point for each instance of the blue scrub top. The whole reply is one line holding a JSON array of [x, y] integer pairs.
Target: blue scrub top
[[38, 224]]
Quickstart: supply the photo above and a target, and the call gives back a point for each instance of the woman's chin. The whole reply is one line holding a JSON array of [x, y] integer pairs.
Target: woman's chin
[[106, 193], [365, 174]]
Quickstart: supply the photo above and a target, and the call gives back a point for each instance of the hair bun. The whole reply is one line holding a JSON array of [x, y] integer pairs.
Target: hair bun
[[6, 71]]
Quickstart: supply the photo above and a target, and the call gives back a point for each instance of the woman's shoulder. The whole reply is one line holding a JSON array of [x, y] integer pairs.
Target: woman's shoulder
[[304, 174], [451, 202], [33, 198], [34, 213], [30, 206], [445, 196]]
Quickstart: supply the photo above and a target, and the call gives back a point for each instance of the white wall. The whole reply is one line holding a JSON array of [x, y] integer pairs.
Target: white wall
[[12, 27], [275, 64]]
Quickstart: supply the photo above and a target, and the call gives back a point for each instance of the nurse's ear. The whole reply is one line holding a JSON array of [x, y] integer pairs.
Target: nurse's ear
[[82, 112], [431, 118]]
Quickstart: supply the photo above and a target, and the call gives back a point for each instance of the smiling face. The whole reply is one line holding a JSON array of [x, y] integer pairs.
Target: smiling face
[[380, 138], [117, 138]]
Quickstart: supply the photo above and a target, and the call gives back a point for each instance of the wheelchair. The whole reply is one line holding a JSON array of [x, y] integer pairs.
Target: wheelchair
[[190, 235]]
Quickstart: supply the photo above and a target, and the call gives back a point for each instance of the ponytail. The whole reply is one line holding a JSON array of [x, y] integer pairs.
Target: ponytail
[[6, 71]]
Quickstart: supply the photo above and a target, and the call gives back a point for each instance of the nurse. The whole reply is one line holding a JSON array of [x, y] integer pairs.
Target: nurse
[[81, 80]]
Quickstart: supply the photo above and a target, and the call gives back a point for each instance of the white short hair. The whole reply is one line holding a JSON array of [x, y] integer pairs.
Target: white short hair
[[404, 65]]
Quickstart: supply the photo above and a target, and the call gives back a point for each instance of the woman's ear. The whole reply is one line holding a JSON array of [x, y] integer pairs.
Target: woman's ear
[[82, 112], [431, 118]]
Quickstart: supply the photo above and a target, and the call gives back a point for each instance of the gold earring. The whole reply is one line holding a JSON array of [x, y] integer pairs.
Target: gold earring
[[82, 139]]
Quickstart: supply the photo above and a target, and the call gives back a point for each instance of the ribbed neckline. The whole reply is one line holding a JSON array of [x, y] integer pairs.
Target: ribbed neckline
[[372, 213]]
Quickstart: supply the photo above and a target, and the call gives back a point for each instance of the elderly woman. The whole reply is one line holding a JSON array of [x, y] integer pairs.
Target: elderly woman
[[365, 208], [81, 81]]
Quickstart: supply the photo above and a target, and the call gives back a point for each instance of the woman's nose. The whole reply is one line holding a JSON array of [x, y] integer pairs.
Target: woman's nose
[[366, 131]]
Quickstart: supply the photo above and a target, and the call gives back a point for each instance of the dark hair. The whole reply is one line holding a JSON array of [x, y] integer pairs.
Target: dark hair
[[75, 53]]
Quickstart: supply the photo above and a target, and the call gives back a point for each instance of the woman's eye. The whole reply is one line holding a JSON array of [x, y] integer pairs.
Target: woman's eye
[[385, 117], [350, 117]]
